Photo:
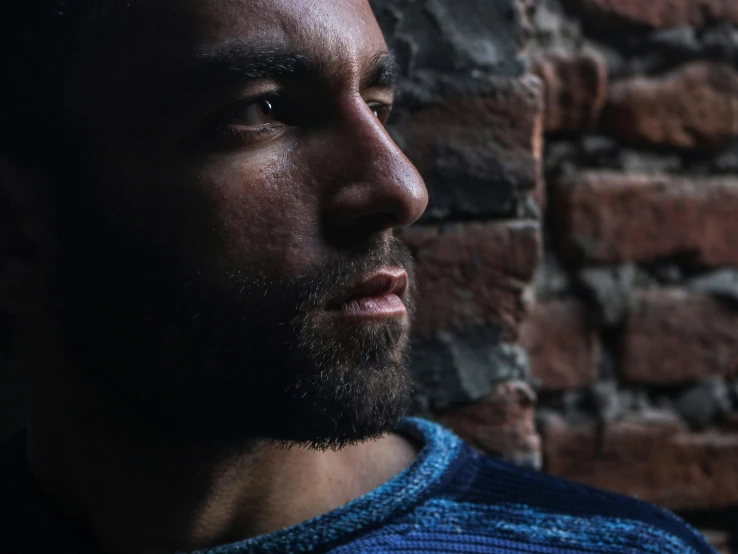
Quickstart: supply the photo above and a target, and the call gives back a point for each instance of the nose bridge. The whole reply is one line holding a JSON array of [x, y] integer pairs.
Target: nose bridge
[[373, 183]]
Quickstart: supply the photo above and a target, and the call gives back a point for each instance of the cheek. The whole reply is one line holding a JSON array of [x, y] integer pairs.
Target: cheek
[[267, 214], [257, 210]]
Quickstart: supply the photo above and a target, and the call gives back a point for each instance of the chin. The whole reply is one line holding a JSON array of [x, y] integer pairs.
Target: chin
[[349, 384]]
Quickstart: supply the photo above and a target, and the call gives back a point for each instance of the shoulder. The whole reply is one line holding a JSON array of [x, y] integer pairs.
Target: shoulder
[[498, 499]]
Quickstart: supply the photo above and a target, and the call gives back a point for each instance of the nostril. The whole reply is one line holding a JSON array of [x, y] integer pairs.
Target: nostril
[[361, 229], [377, 222]]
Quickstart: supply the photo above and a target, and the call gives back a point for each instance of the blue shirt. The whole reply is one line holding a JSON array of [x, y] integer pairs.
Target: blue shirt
[[450, 500]]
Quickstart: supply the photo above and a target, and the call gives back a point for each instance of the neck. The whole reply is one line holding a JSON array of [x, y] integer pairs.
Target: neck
[[135, 496]]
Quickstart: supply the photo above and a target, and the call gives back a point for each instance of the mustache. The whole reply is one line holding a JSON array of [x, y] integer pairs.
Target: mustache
[[269, 308], [136, 278], [318, 285]]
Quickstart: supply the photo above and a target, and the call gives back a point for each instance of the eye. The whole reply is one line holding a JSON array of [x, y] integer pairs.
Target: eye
[[257, 113], [381, 111], [251, 121]]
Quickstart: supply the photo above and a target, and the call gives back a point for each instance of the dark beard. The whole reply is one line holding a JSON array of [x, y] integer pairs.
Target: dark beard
[[229, 357]]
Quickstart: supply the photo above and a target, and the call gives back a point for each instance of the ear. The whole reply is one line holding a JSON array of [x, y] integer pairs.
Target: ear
[[27, 245]]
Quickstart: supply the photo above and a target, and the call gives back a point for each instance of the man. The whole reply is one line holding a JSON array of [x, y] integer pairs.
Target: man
[[198, 271]]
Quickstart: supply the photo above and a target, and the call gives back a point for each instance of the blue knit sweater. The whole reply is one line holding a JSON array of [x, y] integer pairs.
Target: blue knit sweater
[[450, 500]]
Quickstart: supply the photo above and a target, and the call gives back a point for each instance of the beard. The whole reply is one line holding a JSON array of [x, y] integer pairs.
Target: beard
[[197, 355]]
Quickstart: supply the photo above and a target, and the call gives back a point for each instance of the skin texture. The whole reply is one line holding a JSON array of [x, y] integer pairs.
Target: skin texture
[[207, 235], [151, 433]]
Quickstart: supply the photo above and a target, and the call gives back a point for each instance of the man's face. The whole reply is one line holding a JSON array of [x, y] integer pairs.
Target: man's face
[[235, 192]]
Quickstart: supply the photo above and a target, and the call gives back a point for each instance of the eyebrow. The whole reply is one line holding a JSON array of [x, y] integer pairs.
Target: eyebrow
[[245, 61], [381, 72]]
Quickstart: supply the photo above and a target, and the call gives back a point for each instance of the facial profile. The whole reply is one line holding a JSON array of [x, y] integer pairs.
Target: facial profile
[[227, 268], [201, 280]]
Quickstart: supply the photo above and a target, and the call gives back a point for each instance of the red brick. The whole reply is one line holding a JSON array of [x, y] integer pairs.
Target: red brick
[[693, 108], [608, 217], [472, 274], [656, 13], [502, 424], [575, 90], [562, 344], [648, 455], [672, 336], [477, 152]]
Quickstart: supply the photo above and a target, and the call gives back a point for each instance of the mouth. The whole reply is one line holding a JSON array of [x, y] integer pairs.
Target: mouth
[[380, 296]]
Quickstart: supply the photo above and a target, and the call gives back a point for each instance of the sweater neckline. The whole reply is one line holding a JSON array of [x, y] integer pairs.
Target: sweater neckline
[[440, 455]]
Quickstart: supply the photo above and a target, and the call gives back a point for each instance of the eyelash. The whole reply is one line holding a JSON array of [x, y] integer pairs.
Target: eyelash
[[226, 130], [245, 133], [385, 111], [223, 128]]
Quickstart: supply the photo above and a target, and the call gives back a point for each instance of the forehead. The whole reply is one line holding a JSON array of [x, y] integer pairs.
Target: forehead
[[334, 29], [129, 83]]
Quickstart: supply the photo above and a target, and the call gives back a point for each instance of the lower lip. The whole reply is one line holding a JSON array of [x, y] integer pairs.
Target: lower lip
[[373, 307]]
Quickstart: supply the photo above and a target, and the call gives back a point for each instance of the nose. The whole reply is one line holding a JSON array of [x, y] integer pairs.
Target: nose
[[373, 186]]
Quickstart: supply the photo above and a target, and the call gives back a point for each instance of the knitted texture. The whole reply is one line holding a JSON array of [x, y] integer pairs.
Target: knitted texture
[[450, 500], [455, 500]]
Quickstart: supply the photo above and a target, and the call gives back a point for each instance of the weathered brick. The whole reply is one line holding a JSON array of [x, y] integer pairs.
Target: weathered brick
[[451, 37], [477, 153], [694, 107], [650, 455], [654, 14], [672, 336], [562, 344], [462, 366], [575, 90], [472, 274], [502, 424], [608, 217]]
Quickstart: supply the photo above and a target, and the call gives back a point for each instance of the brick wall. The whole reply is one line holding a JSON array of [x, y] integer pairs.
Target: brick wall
[[470, 116], [588, 218], [633, 337], [579, 301]]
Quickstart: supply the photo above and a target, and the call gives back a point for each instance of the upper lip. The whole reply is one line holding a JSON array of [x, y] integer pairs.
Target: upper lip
[[385, 281]]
